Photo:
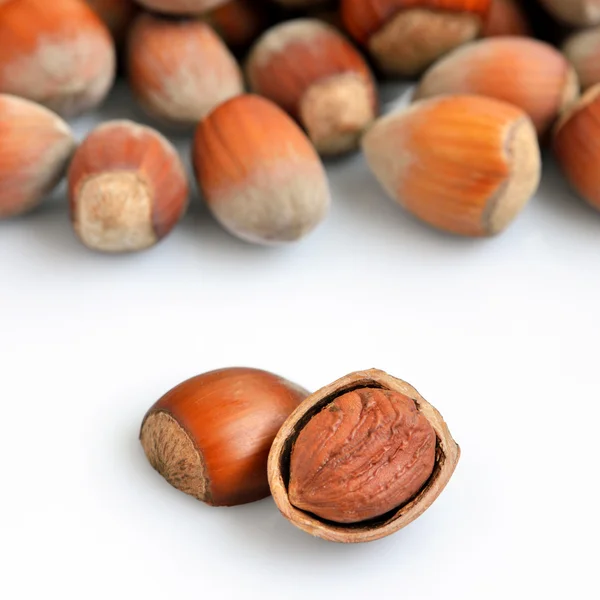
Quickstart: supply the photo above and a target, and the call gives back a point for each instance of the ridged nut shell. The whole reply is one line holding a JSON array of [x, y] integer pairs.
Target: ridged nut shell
[[315, 74], [527, 73], [463, 164], [57, 53], [427, 418], [405, 36], [210, 436], [180, 70], [127, 187], [260, 175]]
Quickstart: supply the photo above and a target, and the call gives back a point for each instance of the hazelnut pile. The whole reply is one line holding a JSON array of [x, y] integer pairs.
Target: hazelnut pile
[[273, 87], [267, 89]]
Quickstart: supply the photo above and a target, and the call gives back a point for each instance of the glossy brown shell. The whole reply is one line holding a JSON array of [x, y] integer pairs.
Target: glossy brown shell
[[447, 455]]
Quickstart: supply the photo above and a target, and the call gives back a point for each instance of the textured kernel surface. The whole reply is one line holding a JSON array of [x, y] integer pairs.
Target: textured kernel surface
[[363, 455]]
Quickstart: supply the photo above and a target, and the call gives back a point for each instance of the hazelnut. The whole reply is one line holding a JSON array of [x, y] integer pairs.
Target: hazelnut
[[360, 459], [260, 175], [59, 54], [180, 70], [239, 22], [181, 7], [309, 69], [576, 147], [582, 49], [210, 436], [35, 147], [580, 13], [116, 14], [506, 17], [127, 186], [525, 72], [463, 164], [405, 36]]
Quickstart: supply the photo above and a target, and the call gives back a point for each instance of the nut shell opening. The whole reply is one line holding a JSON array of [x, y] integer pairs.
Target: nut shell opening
[[446, 458]]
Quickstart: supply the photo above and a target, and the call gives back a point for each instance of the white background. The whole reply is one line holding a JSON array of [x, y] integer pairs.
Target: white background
[[501, 335]]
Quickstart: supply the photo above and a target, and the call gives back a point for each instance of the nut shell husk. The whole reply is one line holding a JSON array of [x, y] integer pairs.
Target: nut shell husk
[[447, 455]]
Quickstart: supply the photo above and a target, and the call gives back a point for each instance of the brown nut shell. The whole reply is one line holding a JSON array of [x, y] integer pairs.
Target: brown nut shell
[[446, 458], [210, 435], [524, 72], [59, 54], [575, 145]]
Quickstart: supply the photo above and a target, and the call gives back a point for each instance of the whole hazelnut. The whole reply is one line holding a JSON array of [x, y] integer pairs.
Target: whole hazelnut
[[127, 187], [57, 53], [210, 436], [527, 73], [35, 147], [405, 36], [309, 69], [575, 145], [360, 459], [180, 69], [463, 164], [260, 175]]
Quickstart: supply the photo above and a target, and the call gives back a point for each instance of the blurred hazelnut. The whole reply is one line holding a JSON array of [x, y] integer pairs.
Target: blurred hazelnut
[[405, 36], [527, 73], [35, 147], [127, 187], [57, 53], [180, 69], [463, 164]]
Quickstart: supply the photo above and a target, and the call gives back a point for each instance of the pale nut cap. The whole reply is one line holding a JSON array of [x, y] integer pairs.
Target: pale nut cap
[[582, 49], [527, 73], [414, 38], [35, 147], [463, 164]]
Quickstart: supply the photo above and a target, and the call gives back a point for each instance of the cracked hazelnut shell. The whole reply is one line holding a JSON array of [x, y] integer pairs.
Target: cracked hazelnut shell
[[426, 487]]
